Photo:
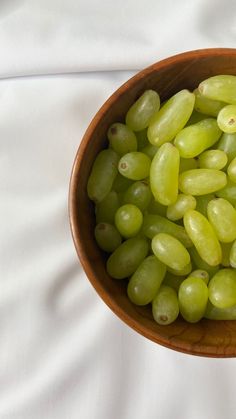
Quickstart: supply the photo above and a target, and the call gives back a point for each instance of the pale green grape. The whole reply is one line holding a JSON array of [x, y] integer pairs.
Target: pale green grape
[[222, 87], [138, 194], [165, 306], [106, 209], [202, 202], [203, 237], [122, 140], [193, 297], [146, 281], [201, 264], [154, 224], [177, 210], [227, 144], [207, 106], [222, 288], [226, 119], [170, 251], [187, 164], [173, 281], [232, 255], [171, 118], [164, 174], [213, 159], [232, 170], [121, 183], [180, 272], [107, 237], [141, 112], [228, 192], [103, 173], [215, 313], [200, 273], [156, 208], [134, 165], [194, 139], [150, 150], [222, 217], [128, 220], [201, 181], [226, 248], [124, 261]]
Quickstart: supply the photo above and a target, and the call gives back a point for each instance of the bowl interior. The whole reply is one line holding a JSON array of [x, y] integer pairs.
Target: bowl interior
[[206, 338]]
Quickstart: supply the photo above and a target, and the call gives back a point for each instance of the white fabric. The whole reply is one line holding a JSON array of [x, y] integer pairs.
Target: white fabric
[[63, 353]]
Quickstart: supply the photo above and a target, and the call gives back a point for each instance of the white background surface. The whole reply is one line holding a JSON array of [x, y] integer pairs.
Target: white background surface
[[63, 353]]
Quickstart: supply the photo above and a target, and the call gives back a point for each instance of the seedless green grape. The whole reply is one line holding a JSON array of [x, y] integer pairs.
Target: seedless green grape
[[201, 264], [226, 119], [106, 209], [228, 192], [193, 297], [215, 313], [138, 194], [227, 143], [232, 170], [165, 306], [207, 106], [180, 272], [128, 220], [134, 165], [141, 112], [170, 251], [222, 87], [177, 210], [107, 237], [201, 181], [121, 138], [222, 288], [200, 273], [222, 217], [146, 281], [213, 159]]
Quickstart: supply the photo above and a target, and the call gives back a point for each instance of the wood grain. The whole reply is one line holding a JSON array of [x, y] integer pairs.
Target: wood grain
[[207, 338]]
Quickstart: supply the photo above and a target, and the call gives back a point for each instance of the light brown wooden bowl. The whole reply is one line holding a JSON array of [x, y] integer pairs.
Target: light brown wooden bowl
[[206, 338]]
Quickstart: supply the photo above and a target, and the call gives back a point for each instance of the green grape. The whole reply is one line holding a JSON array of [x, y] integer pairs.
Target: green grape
[[228, 192], [156, 208], [207, 106], [195, 117], [138, 194], [142, 139], [146, 281], [200, 273], [226, 248], [222, 217], [170, 251], [215, 313], [173, 281], [102, 175], [141, 112], [134, 165], [201, 181], [106, 209], [121, 183], [164, 172], [128, 220], [232, 170], [232, 255], [227, 144], [124, 261], [202, 202], [171, 118], [150, 150], [222, 87], [193, 297], [165, 306], [180, 272], [122, 140], [154, 224], [187, 164], [203, 237], [107, 237], [226, 119], [194, 139], [213, 159], [177, 210], [222, 288], [201, 264]]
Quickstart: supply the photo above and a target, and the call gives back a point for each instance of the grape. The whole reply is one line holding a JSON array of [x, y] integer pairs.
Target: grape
[[106, 209], [222, 87], [146, 281], [213, 159], [228, 192], [200, 273], [154, 224], [138, 194], [128, 220], [222, 217], [134, 165], [171, 118], [107, 237], [150, 150], [102, 175], [201, 181], [121, 183], [222, 288], [156, 208], [207, 106], [194, 139], [232, 170], [164, 172], [226, 119], [165, 306], [142, 139], [215, 313], [202, 202], [122, 140], [124, 261], [203, 237], [187, 164], [226, 248], [227, 144], [193, 297], [141, 112], [201, 264], [170, 251], [232, 255], [180, 272], [177, 210], [173, 281]]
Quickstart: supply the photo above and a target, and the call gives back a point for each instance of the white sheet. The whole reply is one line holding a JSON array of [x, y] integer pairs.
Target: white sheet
[[64, 354]]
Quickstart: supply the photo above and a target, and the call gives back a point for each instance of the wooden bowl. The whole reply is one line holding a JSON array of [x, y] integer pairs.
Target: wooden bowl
[[187, 70]]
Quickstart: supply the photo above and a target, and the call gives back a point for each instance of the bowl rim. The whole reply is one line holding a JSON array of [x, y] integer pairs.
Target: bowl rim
[[198, 349]]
